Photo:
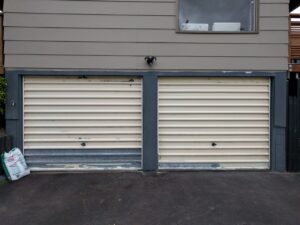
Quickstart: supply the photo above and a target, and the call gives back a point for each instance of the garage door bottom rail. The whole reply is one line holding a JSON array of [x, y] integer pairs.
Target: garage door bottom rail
[[204, 166], [189, 166], [83, 159]]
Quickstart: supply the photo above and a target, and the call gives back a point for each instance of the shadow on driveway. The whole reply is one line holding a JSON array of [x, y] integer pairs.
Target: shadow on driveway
[[187, 198]]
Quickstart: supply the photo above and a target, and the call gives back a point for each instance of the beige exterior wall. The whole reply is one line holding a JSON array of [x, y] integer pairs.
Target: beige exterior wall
[[52, 34]]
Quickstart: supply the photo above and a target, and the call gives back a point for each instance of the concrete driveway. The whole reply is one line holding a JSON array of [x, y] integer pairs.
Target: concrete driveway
[[200, 198]]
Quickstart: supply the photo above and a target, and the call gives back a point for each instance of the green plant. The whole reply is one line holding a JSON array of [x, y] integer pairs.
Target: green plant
[[3, 86]]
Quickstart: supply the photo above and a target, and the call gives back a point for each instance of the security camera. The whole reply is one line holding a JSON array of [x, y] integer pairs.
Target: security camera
[[150, 60]]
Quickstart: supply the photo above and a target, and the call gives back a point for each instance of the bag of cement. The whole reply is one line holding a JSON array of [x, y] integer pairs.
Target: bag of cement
[[14, 164]]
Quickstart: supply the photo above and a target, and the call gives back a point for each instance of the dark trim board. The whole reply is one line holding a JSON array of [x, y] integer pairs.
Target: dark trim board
[[278, 123], [293, 137], [150, 123], [14, 107], [142, 73]]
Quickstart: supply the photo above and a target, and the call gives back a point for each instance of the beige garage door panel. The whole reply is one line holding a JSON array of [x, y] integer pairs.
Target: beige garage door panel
[[72, 114], [216, 122]]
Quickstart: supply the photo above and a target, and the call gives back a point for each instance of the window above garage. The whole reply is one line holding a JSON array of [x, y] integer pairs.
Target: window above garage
[[217, 16]]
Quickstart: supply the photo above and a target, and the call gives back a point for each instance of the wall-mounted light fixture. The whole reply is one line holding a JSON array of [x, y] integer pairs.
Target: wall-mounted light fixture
[[150, 60]]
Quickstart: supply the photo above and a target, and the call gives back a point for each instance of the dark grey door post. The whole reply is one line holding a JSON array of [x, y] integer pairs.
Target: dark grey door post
[[150, 137]]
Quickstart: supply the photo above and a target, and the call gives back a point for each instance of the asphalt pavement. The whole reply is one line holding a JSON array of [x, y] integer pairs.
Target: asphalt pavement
[[174, 198]]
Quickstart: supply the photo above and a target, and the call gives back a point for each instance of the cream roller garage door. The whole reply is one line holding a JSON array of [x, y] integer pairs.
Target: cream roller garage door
[[214, 123], [82, 122]]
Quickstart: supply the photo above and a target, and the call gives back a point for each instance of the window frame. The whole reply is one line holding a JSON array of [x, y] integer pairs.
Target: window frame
[[256, 22]]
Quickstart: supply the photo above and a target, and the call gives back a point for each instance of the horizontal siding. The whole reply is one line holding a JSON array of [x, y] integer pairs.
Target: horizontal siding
[[140, 49], [116, 8], [134, 62], [140, 36], [115, 21], [118, 34], [92, 7], [275, 1]]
